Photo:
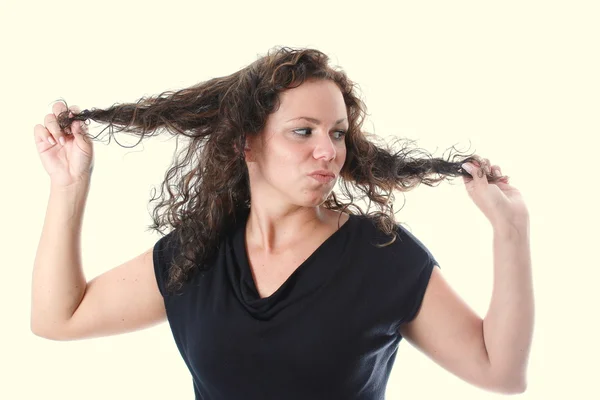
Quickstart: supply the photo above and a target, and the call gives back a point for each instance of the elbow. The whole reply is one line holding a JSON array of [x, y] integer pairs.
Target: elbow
[[46, 333], [515, 388], [507, 379], [510, 385]]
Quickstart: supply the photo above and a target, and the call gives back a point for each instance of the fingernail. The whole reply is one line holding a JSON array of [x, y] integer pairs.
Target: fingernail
[[62, 141], [466, 167], [51, 141]]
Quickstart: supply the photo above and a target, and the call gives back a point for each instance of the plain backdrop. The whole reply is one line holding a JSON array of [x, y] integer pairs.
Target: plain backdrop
[[515, 81]]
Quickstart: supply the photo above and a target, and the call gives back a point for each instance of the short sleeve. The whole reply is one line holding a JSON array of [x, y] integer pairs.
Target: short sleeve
[[419, 286], [163, 254], [422, 266]]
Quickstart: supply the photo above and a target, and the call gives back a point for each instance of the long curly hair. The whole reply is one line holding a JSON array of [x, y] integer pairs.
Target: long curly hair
[[208, 186]]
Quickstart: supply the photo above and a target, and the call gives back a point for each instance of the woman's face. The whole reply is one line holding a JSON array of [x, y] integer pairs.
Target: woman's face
[[290, 148]]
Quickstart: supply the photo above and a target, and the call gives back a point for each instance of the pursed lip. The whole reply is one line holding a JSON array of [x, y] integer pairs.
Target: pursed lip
[[323, 172]]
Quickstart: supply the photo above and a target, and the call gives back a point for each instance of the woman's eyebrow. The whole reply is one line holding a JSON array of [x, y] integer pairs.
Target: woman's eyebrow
[[316, 121]]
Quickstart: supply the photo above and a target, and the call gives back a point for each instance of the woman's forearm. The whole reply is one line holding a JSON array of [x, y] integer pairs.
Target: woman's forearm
[[58, 282], [508, 325]]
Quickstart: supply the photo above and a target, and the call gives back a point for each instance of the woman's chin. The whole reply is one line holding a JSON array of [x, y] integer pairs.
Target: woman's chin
[[313, 198]]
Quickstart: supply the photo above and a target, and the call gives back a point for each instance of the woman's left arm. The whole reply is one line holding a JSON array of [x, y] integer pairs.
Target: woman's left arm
[[508, 324], [491, 353]]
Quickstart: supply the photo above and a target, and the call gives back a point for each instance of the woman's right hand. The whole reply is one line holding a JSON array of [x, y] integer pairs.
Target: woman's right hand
[[72, 162]]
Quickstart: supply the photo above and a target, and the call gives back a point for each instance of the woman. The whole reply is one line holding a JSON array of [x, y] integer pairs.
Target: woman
[[271, 288]]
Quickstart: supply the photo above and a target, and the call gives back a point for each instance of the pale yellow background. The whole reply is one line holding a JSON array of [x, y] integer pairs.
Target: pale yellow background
[[519, 79]]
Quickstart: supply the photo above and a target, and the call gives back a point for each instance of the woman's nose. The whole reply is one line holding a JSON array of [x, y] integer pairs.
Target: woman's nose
[[325, 148]]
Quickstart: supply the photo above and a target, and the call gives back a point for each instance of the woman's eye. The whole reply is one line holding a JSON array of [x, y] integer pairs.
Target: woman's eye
[[340, 137]]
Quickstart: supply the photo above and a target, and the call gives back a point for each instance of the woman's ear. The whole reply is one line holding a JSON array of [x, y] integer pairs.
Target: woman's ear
[[246, 150], [248, 153]]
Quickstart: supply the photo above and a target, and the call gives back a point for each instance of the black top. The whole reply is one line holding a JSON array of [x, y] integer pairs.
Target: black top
[[329, 332]]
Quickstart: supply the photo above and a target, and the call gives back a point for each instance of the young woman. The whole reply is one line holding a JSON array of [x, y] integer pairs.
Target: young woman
[[271, 286]]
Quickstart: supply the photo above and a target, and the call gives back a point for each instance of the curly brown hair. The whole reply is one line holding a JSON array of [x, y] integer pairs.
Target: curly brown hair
[[211, 184]]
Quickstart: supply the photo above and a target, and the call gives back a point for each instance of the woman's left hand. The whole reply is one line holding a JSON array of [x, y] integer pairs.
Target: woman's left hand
[[500, 202]]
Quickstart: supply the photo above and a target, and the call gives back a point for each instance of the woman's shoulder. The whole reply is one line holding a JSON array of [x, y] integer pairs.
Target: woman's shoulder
[[388, 230]]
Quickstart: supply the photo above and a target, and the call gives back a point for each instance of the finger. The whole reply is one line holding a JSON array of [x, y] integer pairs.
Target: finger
[[471, 168], [478, 173], [483, 170], [51, 123], [487, 166], [503, 178], [41, 134], [497, 171], [58, 107], [78, 127], [75, 108]]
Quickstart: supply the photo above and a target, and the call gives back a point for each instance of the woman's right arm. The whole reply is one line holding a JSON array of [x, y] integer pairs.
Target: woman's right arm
[[64, 306], [58, 283]]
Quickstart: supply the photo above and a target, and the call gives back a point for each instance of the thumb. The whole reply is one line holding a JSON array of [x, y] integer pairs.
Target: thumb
[[80, 135], [467, 167], [470, 169], [80, 127], [474, 180], [77, 127]]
